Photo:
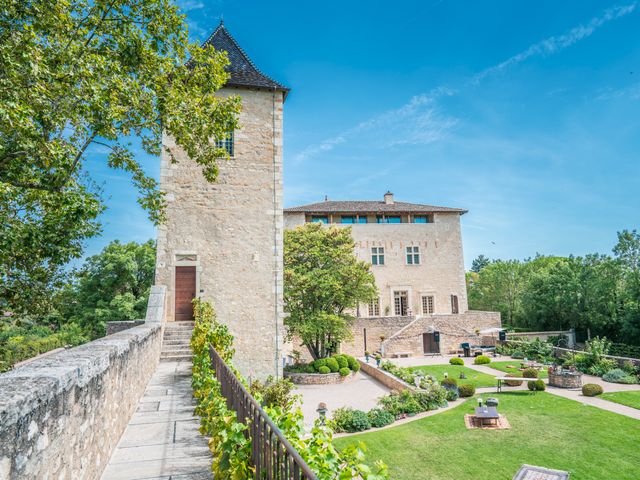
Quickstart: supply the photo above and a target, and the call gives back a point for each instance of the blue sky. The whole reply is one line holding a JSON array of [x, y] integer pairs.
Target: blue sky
[[525, 113]]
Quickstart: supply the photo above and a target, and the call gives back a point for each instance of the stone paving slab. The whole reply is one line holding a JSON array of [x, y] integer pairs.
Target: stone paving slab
[[162, 441]]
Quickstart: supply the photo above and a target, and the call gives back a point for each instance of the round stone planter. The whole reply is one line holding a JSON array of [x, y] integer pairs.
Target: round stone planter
[[565, 380], [318, 378]]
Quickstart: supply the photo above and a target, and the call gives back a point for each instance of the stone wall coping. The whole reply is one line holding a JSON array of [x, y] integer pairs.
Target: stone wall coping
[[24, 388]]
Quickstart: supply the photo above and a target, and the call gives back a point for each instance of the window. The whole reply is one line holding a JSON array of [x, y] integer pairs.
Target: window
[[377, 255], [400, 303], [454, 304], [362, 219], [347, 219], [391, 219], [317, 218], [420, 219], [413, 255], [427, 304], [374, 307], [226, 143]]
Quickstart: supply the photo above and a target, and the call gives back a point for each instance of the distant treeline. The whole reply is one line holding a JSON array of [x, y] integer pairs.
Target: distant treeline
[[596, 294]]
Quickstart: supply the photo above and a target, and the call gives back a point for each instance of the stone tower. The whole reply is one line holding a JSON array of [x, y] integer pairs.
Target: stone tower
[[222, 241]]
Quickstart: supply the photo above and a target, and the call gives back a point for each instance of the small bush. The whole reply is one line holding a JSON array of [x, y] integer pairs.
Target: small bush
[[324, 370], [274, 392], [602, 366], [517, 354], [456, 361], [591, 390], [512, 383], [321, 362], [380, 418], [629, 367], [618, 375], [350, 420], [446, 382], [467, 390], [344, 372], [452, 394], [536, 385], [530, 373], [342, 361], [481, 360], [353, 363], [333, 365]]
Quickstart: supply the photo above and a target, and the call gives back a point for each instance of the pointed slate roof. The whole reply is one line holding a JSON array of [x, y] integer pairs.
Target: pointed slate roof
[[243, 72]]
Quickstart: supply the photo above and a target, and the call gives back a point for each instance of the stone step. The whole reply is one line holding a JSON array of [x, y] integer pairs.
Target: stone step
[[177, 326], [177, 336], [176, 358], [182, 351], [171, 341]]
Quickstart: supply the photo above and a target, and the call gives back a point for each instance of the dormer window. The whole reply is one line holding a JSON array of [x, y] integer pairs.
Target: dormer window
[[226, 143]]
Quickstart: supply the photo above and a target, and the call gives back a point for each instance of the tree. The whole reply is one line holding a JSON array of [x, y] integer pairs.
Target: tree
[[82, 73], [627, 252], [323, 282], [113, 285], [479, 263]]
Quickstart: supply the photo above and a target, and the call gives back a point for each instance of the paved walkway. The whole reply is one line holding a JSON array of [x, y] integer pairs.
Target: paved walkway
[[162, 441]]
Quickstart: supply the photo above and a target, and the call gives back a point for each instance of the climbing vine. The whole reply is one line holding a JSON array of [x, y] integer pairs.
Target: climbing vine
[[230, 448]]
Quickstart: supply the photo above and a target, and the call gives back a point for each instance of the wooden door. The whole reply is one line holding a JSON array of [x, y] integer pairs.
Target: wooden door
[[185, 292], [429, 343]]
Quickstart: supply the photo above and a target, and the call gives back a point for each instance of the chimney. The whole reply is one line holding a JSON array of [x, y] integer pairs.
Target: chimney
[[388, 198]]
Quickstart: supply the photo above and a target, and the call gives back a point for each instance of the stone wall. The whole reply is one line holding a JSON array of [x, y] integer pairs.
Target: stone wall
[[318, 378], [62, 415], [115, 327], [405, 334], [385, 378], [231, 231]]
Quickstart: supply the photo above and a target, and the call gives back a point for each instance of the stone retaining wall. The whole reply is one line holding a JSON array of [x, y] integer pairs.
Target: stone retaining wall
[[388, 380], [115, 327], [61, 416], [318, 378]]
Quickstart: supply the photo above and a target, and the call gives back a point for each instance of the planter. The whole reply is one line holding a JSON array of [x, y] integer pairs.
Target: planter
[[565, 379], [318, 378]]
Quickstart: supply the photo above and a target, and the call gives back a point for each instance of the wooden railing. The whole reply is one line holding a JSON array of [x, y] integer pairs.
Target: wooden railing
[[273, 457]]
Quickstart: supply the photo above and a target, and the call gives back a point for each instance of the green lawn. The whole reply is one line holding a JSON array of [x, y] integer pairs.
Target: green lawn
[[546, 430], [478, 379], [630, 399], [503, 367]]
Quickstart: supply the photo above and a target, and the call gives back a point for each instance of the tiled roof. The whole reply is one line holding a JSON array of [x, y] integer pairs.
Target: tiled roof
[[370, 206], [243, 72]]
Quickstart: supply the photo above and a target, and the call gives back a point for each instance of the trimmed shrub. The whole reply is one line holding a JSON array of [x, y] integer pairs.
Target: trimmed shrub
[[447, 382], [530, 373], [591, 390], [344, 372], [321, 362], [324, 370], [380, 418], [349, 420], [342, 361], [467, 390], [618, 375], [456, 361], [333, 365], [481, 360], [536, 385], [512, 383], [353, 363]]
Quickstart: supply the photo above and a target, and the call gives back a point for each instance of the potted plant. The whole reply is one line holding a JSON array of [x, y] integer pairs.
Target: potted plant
[[378, 358], [367, 354]]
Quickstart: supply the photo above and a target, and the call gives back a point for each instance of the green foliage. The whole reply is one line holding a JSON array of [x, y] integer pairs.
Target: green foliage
[[530, 373], [591, 390], [274, 393], [344, 372], [402, 373], [342, 361], [113, 285], [353, 363], [230, 448], [449, 382], [481, 360], [323, 281], [618, 375], [456, 361], [536, 385], [452, 394], [412, 402], [467, 390], [380, 418], [324, 370], [479, 263], [350, 420], [333, 365], [519, 354], [321, 362], [78, 76]]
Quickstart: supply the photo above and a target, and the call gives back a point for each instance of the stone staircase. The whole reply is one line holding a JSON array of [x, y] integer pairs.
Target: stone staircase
[[175, 342]]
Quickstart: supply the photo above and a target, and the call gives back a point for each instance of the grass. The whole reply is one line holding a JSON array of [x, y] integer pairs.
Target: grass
[[546, 430], [630, 399], [475, 378], [504, 367]]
